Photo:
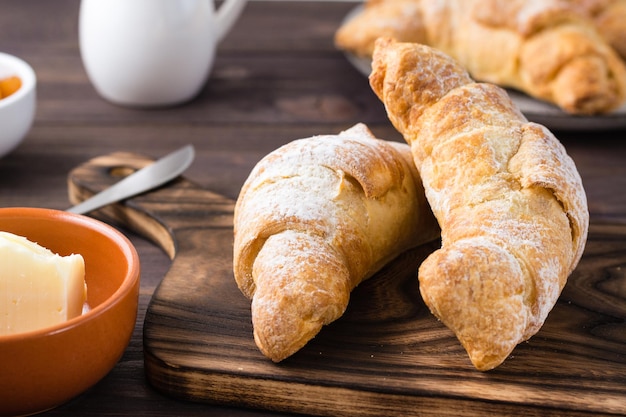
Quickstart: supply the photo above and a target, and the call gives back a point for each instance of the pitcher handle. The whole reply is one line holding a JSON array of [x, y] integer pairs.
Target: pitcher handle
[[227, 15]]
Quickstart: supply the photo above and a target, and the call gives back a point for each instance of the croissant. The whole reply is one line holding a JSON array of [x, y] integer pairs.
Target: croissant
[[508, 198], [315, 218], [544, 48], [609, 17]]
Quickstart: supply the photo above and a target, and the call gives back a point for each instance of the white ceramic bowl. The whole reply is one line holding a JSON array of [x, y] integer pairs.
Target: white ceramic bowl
[[17, 111]]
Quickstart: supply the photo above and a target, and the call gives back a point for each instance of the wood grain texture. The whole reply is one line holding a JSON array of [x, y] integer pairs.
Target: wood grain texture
[[387, 355]]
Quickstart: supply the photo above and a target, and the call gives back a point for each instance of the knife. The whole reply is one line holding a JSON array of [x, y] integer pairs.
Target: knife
[[152, 176]]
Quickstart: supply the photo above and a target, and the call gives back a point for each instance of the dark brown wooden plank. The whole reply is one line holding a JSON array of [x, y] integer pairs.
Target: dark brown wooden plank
[[387, 354]]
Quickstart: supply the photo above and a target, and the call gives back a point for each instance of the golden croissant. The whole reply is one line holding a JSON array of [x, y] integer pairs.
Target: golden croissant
[[609, 17], [314, 219], [545, 48], [509, 200]]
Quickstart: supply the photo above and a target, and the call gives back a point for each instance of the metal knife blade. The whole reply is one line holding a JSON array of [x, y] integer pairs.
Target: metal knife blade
[[152, 176]]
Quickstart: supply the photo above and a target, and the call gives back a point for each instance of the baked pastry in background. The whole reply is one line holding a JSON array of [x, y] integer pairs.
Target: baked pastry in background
[[609, 17], [509, 200], [544, 48], [314, 219]]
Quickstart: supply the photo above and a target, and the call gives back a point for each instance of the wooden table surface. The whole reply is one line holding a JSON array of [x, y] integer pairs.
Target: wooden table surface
[[277, 77]]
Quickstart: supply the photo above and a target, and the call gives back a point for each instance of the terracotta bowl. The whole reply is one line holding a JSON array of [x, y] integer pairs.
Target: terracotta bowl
[[45, 368]]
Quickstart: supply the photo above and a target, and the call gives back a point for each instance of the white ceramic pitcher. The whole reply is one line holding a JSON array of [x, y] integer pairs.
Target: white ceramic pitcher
[[152, 52]]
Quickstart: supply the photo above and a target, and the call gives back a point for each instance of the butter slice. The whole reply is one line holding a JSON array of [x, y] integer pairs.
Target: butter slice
[[38, 288]]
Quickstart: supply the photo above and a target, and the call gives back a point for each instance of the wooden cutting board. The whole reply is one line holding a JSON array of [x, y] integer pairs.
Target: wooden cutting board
[[387, 356]]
